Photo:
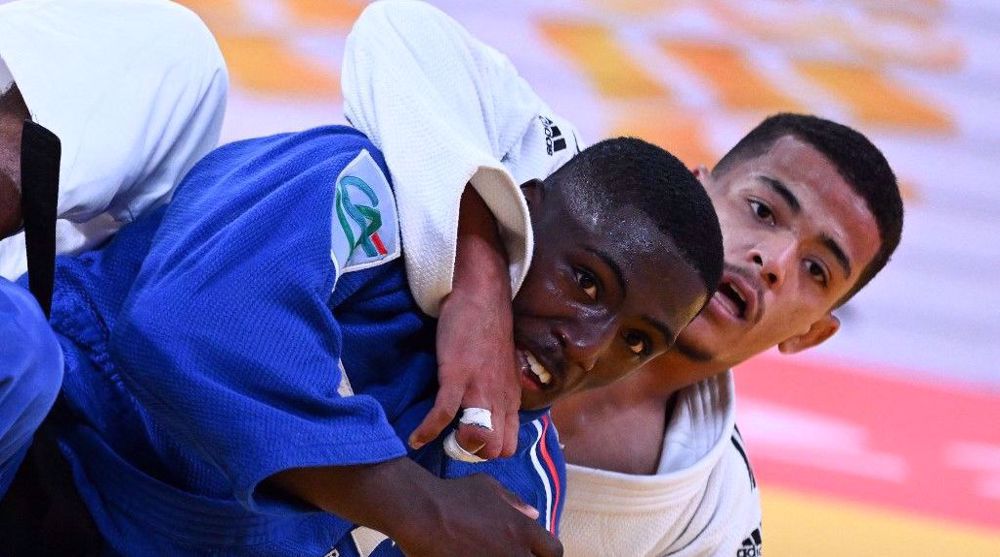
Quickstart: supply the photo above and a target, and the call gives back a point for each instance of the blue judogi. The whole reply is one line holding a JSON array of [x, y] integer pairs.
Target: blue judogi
[[204, 348], [30, 375]]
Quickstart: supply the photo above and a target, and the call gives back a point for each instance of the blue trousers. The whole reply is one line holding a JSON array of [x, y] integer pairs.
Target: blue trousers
[[31, 370]]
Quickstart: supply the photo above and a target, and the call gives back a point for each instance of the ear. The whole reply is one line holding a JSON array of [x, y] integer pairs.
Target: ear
[[703, 175], [534, 192], [818, 332]]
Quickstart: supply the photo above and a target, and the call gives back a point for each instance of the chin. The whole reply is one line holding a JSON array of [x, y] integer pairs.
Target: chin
[[535, 403]]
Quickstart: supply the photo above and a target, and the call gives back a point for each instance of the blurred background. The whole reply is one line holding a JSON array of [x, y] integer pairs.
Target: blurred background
[[884, 441]]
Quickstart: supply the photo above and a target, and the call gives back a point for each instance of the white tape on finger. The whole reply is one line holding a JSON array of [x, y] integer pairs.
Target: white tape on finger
[[455, 451], [478, 417]]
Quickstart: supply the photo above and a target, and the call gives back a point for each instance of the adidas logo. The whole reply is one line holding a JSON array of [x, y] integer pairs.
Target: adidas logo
[[751, 546], [554, 140]]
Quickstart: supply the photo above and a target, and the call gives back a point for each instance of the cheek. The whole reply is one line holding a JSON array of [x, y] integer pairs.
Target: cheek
[[790, 318], [614, 364], [541, 290]]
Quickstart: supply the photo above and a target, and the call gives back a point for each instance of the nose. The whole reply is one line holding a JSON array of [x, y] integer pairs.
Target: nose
[[773, 259], [584, 342]]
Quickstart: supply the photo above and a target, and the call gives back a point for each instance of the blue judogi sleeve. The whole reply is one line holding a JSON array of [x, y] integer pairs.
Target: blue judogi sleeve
[[227, 338], [30, 374]]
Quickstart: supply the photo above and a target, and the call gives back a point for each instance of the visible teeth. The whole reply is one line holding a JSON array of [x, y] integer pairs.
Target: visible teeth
[[538, 369], [738, 294]]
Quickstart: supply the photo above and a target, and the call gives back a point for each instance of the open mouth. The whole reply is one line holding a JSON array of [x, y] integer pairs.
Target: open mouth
[[733, 299], [533, 370]]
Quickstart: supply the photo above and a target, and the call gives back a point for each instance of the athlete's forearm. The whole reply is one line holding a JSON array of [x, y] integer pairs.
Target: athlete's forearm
[[481, 260], [423, 514], [376, 495], [475, 344]]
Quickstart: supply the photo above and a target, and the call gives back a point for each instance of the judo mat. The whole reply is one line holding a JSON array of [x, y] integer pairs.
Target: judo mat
[[886, 440]]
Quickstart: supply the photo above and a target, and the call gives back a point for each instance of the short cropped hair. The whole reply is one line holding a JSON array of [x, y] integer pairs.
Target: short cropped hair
[[857, 160], [626, 171]]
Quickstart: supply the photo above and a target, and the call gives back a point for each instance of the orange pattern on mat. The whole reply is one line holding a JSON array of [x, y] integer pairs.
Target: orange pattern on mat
[[597, 52], [266, 65], [738, 84], [873, 98], [325, 13], [669, 127]]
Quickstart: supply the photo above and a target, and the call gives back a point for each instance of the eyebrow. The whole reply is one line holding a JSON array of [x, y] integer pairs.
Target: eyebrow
[[838, 253], [665, 330], [613, 265], [782, 190]]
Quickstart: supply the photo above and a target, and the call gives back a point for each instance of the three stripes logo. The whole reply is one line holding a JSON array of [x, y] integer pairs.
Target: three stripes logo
[[554, 140], [737, 440], [751, 546]]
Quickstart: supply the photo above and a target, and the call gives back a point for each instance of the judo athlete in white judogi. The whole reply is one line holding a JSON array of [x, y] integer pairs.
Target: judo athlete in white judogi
[[449, 111], [135, 92]]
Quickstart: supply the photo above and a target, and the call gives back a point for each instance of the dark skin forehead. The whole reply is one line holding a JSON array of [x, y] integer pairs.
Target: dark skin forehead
[[638, 254]]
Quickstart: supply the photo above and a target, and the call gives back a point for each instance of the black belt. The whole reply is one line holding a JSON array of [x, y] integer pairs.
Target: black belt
[[40, 154]]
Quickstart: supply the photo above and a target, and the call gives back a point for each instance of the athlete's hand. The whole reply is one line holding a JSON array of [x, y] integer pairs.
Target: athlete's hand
[[423, 513], [474, 516], [475, 347]]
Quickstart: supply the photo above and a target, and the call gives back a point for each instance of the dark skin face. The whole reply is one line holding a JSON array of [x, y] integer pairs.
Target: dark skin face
[[13, 112], [606, 292]]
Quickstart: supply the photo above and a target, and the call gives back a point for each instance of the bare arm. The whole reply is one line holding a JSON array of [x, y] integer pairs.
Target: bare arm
[[475, 345], [424, 514]]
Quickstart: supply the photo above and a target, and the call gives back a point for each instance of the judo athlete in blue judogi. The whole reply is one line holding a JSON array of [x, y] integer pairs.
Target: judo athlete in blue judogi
[[243, 364]]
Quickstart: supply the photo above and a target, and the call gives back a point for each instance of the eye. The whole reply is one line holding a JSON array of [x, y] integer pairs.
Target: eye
[[638, 343], [817, 272], [762, 211], [587, 282]]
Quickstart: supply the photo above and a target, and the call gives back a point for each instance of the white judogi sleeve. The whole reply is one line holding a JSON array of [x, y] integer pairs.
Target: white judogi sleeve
[[134, 89], [447, 110]]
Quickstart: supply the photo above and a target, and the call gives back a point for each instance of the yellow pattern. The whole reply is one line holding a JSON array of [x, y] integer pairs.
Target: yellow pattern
[[597, 52], [265, 65], [796, 524], [873, 98], [677, 130], [325, 13], [729, 72]]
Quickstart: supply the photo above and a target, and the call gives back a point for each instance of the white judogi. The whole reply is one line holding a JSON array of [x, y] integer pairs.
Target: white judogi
[[134, 89], [468, 117], [702, 501]]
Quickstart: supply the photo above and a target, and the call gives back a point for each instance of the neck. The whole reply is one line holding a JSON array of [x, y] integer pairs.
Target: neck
[[667, 374], [590, 423], [654, 383]]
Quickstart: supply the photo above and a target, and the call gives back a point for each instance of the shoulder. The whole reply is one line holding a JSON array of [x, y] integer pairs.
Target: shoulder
[[365, 224], [297, 201]]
